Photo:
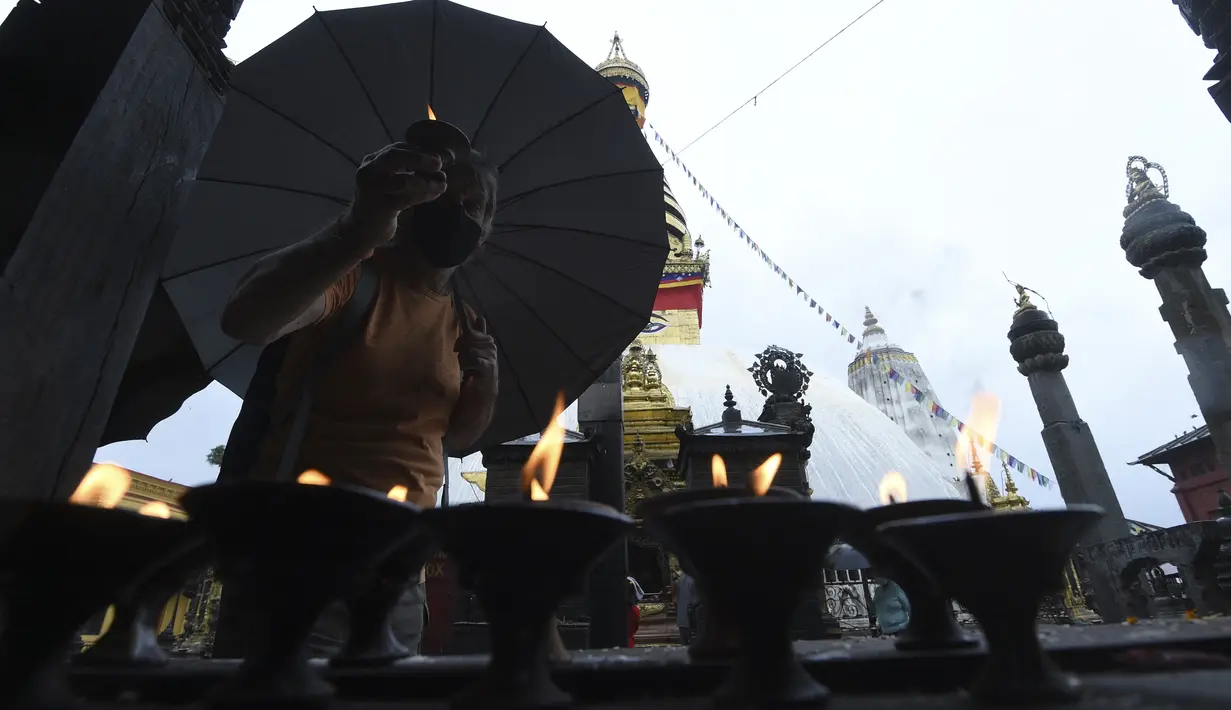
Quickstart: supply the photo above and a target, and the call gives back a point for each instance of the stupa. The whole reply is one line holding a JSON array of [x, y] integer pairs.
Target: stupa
[[673, 373], [868, 377]]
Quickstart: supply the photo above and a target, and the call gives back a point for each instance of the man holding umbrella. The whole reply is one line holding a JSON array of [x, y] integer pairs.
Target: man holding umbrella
[[566, 276], [421, 372]]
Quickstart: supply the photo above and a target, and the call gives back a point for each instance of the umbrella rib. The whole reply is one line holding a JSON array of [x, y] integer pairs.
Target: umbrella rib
[[559, 338], [513, 199], [566, 276], [221, 262], [223, 359], [346, 59], [507, 78], [277, 188], [296, 124], [512, 370], [563, 122], [431, 55], [518, 227]]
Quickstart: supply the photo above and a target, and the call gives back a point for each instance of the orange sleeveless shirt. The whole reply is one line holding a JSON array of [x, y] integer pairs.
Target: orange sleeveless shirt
[[380, 412]]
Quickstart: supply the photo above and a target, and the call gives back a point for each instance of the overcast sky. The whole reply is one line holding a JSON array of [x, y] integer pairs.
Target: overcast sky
[[903, 167]]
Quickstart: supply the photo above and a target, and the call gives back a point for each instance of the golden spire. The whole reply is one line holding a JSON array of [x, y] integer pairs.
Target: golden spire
[[622, 71], [1140, 187], [1010, 488], [1011, 500]]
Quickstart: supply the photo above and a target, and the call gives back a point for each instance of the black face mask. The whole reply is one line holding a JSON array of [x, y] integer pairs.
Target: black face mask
[[444, 233]]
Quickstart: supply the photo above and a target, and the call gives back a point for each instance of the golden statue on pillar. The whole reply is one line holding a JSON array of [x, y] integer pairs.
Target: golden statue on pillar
[[1140, 187]]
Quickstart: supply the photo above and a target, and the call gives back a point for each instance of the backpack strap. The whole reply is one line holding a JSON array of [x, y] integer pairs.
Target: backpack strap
[[459, 309], [350, 322]]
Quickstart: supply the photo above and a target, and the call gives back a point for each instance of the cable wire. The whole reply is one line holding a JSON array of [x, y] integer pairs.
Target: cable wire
[[794, 66]]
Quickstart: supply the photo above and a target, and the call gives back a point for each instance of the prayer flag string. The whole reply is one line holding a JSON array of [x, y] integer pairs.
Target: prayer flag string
[[786, 278], [911, 389]]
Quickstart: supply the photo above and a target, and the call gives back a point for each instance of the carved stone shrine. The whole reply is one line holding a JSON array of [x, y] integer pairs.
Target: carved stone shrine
[[744, 445]]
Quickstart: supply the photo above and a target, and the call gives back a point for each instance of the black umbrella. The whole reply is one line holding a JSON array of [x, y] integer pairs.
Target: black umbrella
[[846, 557], [570, 273]]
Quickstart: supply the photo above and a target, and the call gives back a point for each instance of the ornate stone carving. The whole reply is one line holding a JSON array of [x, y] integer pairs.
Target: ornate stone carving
[[1211, 19], [781, 375], [1157, 233], [202, 25], [649, 407], [1035, 341], [643, 379], [643, 479]]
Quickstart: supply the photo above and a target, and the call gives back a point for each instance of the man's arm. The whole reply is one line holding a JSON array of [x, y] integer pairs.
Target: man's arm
[[473, 412], [284, 292]]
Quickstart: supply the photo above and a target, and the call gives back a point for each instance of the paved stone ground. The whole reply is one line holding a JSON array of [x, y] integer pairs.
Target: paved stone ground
[[1203, 690], [1052, 635]]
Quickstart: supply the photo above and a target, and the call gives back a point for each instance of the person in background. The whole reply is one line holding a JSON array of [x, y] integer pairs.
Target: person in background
[[634, 611], [892, 606], [685, 606]]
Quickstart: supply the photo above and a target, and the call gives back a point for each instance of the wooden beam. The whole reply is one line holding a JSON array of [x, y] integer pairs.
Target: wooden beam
[[131, 102]]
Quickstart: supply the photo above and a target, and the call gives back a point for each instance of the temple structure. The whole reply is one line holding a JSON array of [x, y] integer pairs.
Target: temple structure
[[174, 624], [1198, 477], [673, 375], [868, 377], [677, 310], [1211, 19]]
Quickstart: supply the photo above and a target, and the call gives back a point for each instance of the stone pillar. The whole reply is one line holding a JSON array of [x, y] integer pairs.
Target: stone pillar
[[1038, 347], [600, 414], [108, 110], [1167, 247]]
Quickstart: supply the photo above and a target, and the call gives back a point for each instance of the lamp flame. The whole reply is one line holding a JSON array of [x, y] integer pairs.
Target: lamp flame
[[104, 486], [431, 115], [398, 493], [980, 431], [155, 509], [892, 488], [718, 470], [312, 477], [541, 465], [762, 477]]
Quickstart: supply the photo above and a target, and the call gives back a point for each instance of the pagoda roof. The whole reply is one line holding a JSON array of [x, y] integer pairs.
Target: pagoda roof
[[1168, 451]]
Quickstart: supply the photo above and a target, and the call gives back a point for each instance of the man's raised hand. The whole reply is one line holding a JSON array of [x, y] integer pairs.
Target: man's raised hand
[[391, 180]]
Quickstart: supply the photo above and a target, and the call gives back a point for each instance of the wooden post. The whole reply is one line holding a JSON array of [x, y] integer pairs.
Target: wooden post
[[109, 107]]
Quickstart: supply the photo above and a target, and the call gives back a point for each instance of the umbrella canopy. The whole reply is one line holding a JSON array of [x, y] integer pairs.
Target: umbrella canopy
[[570, 273], [846, 557]]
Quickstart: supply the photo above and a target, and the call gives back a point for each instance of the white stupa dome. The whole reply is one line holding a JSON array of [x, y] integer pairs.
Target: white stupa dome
[[853, 447]]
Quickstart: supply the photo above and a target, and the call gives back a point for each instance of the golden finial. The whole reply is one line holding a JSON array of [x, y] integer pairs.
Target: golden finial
[[1023, 296], [1010, 488], [1023, 299], [1140, 187], [617, 48]]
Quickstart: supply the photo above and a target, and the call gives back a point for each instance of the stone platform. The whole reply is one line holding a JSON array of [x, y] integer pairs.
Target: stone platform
[[851, 668]]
